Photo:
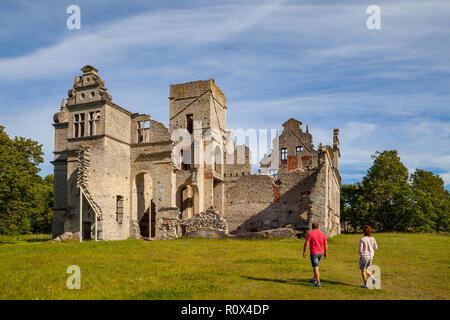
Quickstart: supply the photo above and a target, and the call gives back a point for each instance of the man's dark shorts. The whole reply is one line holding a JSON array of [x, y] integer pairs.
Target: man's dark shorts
[[315, 258]]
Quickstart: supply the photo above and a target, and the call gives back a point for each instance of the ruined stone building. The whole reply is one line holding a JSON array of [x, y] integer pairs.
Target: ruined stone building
[[120, 174]]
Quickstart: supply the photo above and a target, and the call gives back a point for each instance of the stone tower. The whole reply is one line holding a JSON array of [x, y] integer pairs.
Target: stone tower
[[199, 109], [89, 121]]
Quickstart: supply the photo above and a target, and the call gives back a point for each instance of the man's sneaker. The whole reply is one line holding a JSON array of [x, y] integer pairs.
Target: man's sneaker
[[314, 280], [364, 286], [316, 285]]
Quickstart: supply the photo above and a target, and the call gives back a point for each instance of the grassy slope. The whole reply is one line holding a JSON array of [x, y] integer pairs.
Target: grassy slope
[[413, 266]]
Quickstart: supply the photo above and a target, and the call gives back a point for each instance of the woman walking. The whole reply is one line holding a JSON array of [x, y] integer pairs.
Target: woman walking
[[367, 247]]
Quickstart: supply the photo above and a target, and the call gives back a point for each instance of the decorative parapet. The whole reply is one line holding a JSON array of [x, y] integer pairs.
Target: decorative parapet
[[88, 88]]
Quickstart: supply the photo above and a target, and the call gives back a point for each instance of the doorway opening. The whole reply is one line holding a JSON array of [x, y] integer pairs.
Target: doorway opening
[[144, 225], [86, 230]]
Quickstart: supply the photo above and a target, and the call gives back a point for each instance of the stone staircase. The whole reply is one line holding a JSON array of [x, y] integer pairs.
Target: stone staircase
[[83, 178]]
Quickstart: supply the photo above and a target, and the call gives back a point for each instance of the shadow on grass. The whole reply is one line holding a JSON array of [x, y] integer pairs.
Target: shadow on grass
[[37, 240], [182, 292], [7, 242], [304, 282]]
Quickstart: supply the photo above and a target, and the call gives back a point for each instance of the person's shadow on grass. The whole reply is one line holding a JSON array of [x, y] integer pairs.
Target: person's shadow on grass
[[304, 282]]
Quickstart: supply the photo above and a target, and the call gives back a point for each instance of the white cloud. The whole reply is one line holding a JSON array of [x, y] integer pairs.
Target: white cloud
[[446, 177], [176, 28]]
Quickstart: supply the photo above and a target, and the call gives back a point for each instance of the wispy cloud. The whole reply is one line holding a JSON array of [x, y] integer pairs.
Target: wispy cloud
[[174, 28]]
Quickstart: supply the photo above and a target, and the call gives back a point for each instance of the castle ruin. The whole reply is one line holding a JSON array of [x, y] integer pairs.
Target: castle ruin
[[120, 174]]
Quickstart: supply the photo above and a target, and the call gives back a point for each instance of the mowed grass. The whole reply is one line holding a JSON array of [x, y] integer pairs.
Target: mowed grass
[[413, 266]]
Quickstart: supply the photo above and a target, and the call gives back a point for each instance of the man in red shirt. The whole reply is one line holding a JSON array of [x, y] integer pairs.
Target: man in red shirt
[[318, 246]]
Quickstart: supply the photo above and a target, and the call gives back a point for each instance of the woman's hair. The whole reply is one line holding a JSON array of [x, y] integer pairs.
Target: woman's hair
[[367, 231]]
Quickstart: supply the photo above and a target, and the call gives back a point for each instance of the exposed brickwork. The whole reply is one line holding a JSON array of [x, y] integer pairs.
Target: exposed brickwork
[[276, 193], [208, 175], [292, 162]]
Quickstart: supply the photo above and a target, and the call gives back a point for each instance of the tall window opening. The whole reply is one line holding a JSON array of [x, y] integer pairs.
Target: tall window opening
[[274, 173], [190, 123], [283, 155], [78, 125], [94, 123], [185, 159], [143, 131], [298, 150], [119, 209], [218, 160]]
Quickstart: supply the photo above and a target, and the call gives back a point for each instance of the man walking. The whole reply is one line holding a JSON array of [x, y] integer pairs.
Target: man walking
[[318, 247]]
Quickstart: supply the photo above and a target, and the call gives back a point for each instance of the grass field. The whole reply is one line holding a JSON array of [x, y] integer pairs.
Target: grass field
[[413, 266]]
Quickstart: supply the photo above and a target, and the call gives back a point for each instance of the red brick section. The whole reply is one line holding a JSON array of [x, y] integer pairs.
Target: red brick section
[[208, 175], [292, 162], [306, 157], [276, 193]]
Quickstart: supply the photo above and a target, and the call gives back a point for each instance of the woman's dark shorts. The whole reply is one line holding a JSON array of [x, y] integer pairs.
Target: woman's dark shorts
[[365, 262]]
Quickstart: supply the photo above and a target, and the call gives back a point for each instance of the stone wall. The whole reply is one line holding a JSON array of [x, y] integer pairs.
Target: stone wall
[[261, 202], [168, 224], [325, 197], [237, 164], [151, 161]]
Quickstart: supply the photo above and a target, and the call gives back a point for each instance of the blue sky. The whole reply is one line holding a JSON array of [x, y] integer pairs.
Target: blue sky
[[315, 61]]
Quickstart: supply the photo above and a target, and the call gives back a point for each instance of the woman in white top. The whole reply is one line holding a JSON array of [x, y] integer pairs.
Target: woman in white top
[[367, 247]]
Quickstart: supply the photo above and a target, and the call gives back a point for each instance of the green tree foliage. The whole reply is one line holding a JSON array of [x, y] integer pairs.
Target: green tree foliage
[[25, 198], [353, 208], [386, 191], [389, 200], [42, 215], [431, 202]]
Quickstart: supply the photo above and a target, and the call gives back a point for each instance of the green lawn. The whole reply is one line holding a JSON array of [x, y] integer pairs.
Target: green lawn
[[413, 266]]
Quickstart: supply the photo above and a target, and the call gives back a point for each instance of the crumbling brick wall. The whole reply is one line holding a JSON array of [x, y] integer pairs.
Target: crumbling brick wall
[[261, 202]]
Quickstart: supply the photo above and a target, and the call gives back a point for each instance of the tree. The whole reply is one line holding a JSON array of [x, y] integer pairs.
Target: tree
[[431, 202], [42, 214], [21, 188], [386, 192], [389, 200], [353, 209]]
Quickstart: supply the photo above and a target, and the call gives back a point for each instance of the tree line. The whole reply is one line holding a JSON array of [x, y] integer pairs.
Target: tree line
[[26, 199], [389, 199]]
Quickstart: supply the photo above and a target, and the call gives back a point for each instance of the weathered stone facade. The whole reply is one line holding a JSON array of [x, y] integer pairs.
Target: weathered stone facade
[[137, 180], [307, 187]]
